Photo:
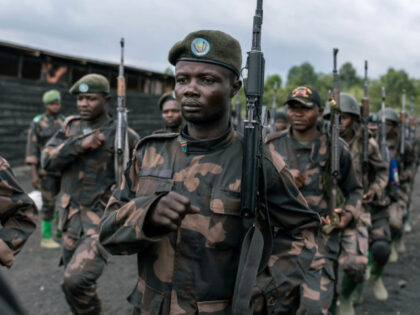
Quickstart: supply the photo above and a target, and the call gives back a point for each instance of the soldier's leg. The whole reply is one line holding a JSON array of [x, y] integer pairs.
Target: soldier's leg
[[318, 289], [380, 249], [49, 191], [82, 271]]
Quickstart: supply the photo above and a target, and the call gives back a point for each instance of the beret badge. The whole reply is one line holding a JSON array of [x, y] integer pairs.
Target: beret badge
[[200, 47]]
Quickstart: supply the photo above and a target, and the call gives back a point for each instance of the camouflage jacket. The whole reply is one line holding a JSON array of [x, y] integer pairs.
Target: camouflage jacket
[[406, 162], [311, 159], [86, 177], [18, 215], [193, 270], [377, 169], [42, 128]]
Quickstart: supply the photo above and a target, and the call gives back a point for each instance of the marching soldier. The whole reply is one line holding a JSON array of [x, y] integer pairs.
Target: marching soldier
[[376, 180], [179, 205], [43, 127], [171, 113], [304, 147], [83, 151], [18, 215]]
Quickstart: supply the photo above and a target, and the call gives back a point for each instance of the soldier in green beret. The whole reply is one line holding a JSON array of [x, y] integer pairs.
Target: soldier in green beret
[[179, 207], [171, 113], [42, 128], [83, 152]]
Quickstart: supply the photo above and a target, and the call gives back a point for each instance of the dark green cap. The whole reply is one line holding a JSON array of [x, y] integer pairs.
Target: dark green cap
[[51, 96], [166, 97], [208, 46], [91, 83]]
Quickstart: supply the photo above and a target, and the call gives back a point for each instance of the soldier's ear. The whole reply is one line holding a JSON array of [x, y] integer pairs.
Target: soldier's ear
[[236, 86]]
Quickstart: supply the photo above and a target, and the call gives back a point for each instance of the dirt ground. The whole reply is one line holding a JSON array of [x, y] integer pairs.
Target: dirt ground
[[36, 276]]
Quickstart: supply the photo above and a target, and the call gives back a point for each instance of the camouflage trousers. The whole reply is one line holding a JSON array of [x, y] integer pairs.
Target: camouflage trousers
[[84, 260], [380, 230], [50, 185], [397, 212]]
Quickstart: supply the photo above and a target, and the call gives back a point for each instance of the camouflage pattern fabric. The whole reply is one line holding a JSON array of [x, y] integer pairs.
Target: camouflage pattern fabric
[[18, 215], [42, 128], [310, 159], [86, 182], [354, 259], [193, 270]]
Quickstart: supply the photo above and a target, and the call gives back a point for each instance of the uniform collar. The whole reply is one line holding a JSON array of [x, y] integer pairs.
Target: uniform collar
[[192, 145]]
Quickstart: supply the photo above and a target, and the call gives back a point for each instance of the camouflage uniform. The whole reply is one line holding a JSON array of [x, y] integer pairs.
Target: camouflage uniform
[[377, 178], [193, 270], [87, 178], [311, 159], [42, 128], [18, 215]]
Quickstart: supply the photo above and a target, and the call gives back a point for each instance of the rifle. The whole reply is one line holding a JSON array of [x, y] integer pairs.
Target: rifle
[[273, 109], [365, 121], [382, 138], [411, 121], [257, 243], [121, 138], [238, 113], [402, 135], [335, 154]]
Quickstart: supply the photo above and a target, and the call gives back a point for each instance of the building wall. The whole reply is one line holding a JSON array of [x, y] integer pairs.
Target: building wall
[[20, 102]]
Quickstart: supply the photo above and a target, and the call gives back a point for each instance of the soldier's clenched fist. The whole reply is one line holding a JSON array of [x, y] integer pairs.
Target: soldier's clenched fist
[[93, 141], [168, 214]]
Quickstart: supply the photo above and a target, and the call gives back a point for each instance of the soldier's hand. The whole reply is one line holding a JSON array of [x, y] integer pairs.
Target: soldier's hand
[[93, 141], [368, 197], [168, 214], [258, 301], [36, 182], [345, 218], [298, 177]]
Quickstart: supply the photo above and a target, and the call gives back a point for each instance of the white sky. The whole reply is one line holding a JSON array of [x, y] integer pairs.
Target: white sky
[[385, 32]]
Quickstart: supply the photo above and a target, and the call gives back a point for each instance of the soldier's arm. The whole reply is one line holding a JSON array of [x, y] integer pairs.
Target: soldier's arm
[[295, 226], [18, 215], [380, 168], [121, 227], [349, 184], [61, 150]]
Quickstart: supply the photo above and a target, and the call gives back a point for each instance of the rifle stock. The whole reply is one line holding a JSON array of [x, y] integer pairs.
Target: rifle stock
[[365, 130]]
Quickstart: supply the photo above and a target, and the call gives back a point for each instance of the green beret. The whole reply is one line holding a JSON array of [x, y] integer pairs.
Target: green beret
[[51, 96], [209, 46], [166, 97], [91, 83]]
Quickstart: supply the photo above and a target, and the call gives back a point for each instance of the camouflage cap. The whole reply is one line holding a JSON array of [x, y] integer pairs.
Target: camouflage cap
[[209, 46], [51, 96], [91, 83], [306, 95], [166, 97]]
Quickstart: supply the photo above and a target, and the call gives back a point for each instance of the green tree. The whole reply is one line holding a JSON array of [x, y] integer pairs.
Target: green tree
[[348, 76], [303, 74], [394, 82]]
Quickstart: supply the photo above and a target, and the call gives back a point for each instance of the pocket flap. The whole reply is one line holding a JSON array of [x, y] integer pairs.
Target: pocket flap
[[224, 201]]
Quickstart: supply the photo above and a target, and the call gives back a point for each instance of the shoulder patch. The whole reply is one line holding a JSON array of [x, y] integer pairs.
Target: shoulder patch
[[62, 117], [71, 118], [37, 118]]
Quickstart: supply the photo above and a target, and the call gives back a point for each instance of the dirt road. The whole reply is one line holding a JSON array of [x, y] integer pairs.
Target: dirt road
[[36, 276]]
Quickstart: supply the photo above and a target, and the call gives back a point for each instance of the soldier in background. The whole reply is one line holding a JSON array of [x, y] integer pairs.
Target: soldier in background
[[179, 205], [18, 215], [171, 113], [304, 147], [43, 127], [83, 151], [373, 126], [375, 180], [281, 120]]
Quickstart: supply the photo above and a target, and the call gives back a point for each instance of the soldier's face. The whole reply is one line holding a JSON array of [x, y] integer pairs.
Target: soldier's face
[[204, 91], [171, 114], [301, 117], [391, 127], [346, 120], [280, 124], [91, 105], [53, 108]]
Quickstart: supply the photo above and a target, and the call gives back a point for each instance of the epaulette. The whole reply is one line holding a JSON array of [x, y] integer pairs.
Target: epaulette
[[158, 136], [38, 118], [275, 135], [69, 119]]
